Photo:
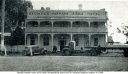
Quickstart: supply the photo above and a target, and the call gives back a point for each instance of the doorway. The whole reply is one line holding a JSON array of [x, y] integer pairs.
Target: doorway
[[62, 42]]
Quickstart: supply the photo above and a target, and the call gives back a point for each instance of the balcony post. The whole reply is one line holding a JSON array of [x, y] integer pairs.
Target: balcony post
[[89, 25], [26, 24], [38, 23], [52, 32], [106, 39], [71, 29], [25, 39], [38, 39], [89, 39]]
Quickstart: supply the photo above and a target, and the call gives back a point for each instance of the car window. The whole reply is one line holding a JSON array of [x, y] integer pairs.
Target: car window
[[27, 48], [35, 47]]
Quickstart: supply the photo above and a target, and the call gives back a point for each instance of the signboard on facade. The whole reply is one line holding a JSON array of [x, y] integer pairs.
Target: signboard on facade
[[99, 14]]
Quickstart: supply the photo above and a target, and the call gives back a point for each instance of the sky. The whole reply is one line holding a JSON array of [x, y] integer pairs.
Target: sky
[[117, 11]]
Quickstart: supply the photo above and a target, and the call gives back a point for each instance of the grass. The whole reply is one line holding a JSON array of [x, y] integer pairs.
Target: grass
[[63, 63]]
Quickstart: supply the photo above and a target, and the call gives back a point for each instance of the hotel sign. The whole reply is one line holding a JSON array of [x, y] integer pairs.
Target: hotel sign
[[66, 14]]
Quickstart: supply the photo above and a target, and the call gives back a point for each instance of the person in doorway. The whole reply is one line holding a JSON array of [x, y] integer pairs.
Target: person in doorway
[[99, 49], [54, 49]]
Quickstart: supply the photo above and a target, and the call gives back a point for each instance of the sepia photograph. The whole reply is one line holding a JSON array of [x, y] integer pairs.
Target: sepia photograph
[[64, 35]]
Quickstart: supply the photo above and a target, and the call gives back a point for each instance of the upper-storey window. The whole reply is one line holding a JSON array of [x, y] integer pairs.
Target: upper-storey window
[[45, 24], [77, 24], [80, 24], [95, 24], [32, 24], [61, 24]]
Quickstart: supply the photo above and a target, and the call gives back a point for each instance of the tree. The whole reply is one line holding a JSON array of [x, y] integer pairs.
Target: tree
[[123, 30], [16, 12], [17, 37]]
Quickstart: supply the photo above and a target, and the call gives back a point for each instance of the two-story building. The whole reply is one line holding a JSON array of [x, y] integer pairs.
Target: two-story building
[[47, 28]]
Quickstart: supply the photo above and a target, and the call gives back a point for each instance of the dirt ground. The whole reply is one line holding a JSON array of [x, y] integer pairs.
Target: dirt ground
[[63, 63]]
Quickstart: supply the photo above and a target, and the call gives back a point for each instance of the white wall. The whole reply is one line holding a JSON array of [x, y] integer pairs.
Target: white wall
[[101, 40]]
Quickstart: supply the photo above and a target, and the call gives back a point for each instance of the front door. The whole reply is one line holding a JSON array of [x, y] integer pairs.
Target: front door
[[62, 42]]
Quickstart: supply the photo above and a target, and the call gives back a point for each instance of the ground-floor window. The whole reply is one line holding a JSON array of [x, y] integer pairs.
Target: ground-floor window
[[87, 43], [32, 40], [46, 41], [77, 41], [95, 41]]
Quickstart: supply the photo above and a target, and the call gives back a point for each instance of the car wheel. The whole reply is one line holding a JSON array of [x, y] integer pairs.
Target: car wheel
[[104, 51], [94, 52], [67, 53], [24, 53], [44, 53]]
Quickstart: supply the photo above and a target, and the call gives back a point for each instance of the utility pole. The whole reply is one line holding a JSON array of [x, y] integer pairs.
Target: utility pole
[[2, 27]]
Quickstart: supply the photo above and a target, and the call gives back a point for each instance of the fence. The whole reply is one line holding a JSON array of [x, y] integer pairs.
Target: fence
[[16, 48]]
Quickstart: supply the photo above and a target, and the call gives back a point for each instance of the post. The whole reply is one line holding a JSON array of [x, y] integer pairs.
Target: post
[[89, 33], [89, 26], [52, 34], [38, 39], [25, 39], [89, 39], [71, 30], [2, 27], [106, 39], [31, 51]]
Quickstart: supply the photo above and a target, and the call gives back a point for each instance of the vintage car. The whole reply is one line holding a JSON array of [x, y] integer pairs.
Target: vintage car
[[33, 50]]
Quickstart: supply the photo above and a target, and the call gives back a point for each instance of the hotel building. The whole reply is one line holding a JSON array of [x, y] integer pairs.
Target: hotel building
[[47, 28]]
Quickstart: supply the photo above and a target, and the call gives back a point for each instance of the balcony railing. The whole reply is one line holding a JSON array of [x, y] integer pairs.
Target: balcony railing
[[98, 30], [80, 29], [64, 29], [38, 29], [61, 29]]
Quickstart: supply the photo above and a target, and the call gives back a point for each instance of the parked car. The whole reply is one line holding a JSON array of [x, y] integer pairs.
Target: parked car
[[33, 49]]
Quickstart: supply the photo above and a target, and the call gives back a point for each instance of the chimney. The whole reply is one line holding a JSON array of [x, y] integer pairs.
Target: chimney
[[80, 6], [47, 8], [42, 8]]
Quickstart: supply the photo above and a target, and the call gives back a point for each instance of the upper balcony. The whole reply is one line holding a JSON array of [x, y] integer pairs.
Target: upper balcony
[[64, 30], [65, 27]]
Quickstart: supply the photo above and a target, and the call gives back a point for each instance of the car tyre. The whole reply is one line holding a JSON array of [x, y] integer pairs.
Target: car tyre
[[67, 53], [45, 52], [24, 53]]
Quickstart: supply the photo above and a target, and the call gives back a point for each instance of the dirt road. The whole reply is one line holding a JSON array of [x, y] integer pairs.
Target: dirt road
[[63, 63]]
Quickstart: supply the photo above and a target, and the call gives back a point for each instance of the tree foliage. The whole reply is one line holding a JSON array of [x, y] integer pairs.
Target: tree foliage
[[15, 12], [17, 37]]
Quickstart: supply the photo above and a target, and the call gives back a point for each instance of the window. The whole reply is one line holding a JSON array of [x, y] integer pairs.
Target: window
[[46, 41], [95, 41], [62, 25], [34, 24], [95, 24], [32, 40], [77, 41], [77, 24], [45, 24]]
